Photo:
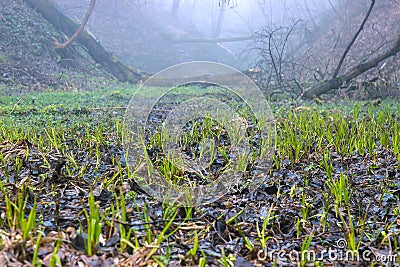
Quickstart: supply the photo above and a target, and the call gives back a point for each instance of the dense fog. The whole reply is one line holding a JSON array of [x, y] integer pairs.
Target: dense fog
[[134, 29]]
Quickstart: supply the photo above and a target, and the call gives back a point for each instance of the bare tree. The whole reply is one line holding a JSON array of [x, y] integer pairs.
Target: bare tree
[[276, 49], [336, 81], [220, 20], [175, 7], [290, 62]]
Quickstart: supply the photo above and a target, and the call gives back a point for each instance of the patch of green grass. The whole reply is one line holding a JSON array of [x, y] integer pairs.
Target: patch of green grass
[[85, 129], [94, 226]]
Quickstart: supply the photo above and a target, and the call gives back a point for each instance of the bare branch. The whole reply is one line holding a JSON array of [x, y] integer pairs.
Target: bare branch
[[333, 8], [76, 34], [354, 39], [122, 72]]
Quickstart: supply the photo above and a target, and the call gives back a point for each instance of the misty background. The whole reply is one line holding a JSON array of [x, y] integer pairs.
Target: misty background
[[286, 47], [152, 35]]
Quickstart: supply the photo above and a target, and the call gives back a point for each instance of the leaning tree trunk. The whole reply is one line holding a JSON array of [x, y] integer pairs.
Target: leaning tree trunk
[[122, 72], [336, 82]]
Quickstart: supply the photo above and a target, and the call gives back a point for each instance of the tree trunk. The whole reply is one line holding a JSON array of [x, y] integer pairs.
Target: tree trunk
[[220, 21], [175, 7], [214, 40], [122, 72], [336, 82]]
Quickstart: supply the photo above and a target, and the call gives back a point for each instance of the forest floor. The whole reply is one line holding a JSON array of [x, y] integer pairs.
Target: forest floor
[[68, 195]]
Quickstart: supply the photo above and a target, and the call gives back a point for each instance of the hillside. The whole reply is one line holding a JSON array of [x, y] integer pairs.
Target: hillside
[[28, 58]]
